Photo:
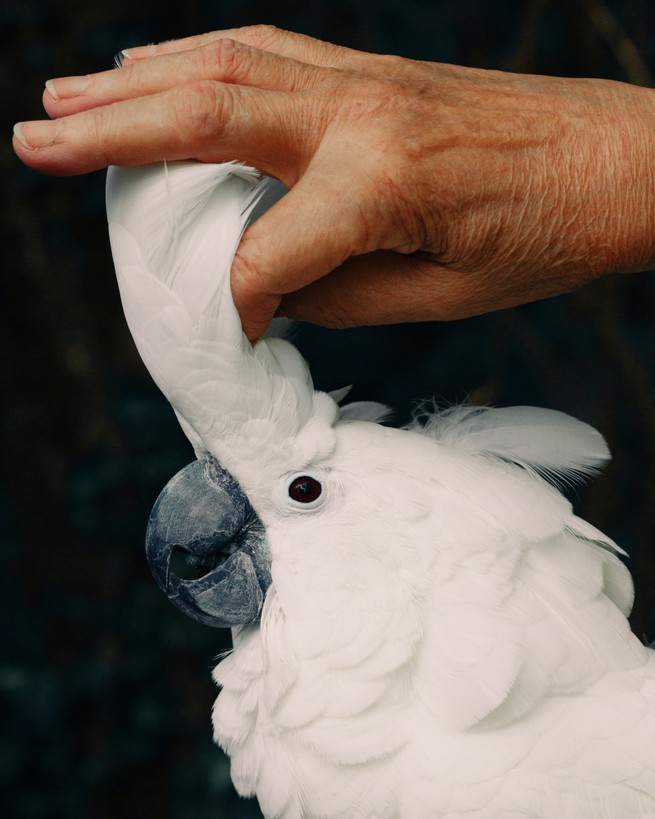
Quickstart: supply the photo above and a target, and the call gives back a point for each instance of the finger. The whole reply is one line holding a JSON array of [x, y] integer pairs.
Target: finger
[[207, 120], [386, 287], [302, 48], [307, 234], [267, 38], [226, 60]]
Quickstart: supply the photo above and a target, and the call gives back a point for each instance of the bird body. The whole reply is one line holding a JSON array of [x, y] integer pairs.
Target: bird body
[[421, 625]]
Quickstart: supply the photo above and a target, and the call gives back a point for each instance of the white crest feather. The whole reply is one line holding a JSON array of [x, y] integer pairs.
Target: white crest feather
[[174, 230], [550, 443]]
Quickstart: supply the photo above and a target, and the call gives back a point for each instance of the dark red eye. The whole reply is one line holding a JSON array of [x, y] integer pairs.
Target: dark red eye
[[305, 489]]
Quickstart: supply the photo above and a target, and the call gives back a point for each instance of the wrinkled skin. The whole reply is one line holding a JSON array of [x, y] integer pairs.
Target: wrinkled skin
[[425, 191]]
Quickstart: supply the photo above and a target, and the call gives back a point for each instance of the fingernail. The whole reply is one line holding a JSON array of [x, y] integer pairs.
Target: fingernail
[[138, 53], [67, 87], [37, 134]]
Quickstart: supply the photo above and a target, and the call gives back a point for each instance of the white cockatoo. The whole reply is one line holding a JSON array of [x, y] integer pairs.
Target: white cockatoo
[[422, 627]]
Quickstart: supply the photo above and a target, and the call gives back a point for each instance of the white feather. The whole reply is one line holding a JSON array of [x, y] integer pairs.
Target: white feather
[[546, 441], [174, 230]]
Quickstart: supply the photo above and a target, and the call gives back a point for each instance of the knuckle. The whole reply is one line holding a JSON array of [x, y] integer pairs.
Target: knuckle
[[132, 77], [103, 131], [398, 67], [203, 107], [246, 275], [226, 54], [262, 35]]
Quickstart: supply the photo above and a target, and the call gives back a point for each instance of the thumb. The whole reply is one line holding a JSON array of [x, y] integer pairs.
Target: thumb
[[304, 236]]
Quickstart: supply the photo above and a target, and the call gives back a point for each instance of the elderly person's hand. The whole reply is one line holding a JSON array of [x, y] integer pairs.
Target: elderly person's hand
[[418, 190]]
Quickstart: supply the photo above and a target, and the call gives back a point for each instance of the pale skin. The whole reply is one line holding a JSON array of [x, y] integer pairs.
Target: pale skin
[[418, 191]]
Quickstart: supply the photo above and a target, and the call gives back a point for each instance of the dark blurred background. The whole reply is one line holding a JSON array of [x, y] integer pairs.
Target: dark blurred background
[[106, 688]]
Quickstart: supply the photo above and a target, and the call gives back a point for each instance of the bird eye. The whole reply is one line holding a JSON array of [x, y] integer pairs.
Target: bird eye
[[305, 489]]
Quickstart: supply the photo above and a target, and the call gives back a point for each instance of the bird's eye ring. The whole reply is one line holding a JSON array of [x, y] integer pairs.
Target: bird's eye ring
[[305, 489]]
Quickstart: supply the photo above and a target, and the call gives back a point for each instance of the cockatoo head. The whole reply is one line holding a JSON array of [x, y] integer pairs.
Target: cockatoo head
[[326, 522]]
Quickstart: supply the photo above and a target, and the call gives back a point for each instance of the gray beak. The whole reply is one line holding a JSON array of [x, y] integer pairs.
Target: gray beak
[[207, 548]]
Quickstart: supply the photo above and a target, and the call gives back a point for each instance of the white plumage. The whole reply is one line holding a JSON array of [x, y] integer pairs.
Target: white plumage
[[442, 636]]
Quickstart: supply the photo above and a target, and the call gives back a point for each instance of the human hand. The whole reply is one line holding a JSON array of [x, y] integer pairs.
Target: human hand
[[417, 190]]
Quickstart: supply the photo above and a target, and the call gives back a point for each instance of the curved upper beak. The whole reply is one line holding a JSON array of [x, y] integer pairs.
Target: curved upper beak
[[203, 516]]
